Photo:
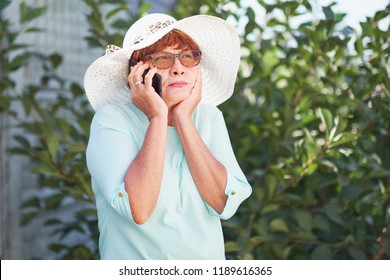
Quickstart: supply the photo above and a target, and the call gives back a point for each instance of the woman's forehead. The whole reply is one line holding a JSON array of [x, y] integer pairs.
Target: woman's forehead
[[173, 49]]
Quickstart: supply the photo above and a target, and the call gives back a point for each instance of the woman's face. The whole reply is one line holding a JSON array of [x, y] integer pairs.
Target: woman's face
[[177, 80]]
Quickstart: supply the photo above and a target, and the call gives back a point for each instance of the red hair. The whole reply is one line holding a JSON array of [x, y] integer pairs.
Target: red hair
[[175, 38]]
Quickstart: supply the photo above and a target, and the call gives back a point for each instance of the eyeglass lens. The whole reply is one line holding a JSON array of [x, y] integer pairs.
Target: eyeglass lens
[[188, 58]]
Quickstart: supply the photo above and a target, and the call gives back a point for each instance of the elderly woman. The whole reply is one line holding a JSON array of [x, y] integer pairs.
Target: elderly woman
[[163, 170]]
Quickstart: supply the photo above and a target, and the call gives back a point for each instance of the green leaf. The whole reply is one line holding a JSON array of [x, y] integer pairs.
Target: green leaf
[[231, 246], [270, 208], [27, 218], [19, 61], [28, 13], [328, 164], [52, 142], [381, 15], [19, 46], [117, 10], [333, 130], [34, 30], [5, 103], [367, 29], [19, 151], [53, 222], [359, 46], [270, 60], [329, 14], [321, 253], [4, 3], [44, 168], [378, 173], [256, 240], [343, 138], [304, 220], [57, 247], [271, 185], [302, 122], [144, 8], [309, 138], [117, 38], [326, 119], [253, 242], [357, 253], [88, 212], [304, 236], [387, 248], [286, 252], [278, 225], [76, 89], [311, 168], [81, 252], [27, 106], [55, 60], [76, 148], [22, 141], [33, 202], [53, 201], [351, 192], [334, 213]]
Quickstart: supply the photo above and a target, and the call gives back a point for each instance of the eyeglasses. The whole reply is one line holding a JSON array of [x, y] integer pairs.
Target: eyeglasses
[[164, 60]]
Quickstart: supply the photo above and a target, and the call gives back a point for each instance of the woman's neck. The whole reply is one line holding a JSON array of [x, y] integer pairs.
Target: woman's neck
[[170, 115]]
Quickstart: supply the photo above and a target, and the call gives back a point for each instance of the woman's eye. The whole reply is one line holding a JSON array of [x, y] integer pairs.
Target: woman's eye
[[160, 58]]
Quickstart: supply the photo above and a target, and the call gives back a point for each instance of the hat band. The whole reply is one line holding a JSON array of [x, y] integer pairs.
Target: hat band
[[153, 28], [111, 49]]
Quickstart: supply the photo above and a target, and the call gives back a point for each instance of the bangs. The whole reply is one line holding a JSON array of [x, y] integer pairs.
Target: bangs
[[175, 38], [178, 39]]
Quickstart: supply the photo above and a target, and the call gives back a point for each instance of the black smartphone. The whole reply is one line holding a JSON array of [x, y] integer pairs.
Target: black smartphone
[[156, 80]]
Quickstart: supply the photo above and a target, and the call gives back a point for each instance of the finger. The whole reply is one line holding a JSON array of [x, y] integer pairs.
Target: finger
[[148, 80], [199, 79], [135, 76], [197, 89]]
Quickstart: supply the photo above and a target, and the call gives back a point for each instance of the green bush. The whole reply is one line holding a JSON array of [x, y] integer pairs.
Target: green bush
[[52, 119], [309, 122], [310, 125]]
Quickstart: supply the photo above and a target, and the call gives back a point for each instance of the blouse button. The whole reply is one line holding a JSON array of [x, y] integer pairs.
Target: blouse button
[[120, 194], [233, 193]]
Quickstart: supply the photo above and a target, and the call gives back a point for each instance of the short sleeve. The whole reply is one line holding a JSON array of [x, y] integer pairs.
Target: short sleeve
[[237, 187]]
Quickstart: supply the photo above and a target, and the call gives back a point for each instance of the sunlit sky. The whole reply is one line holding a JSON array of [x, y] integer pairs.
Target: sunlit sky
[[356, 10]]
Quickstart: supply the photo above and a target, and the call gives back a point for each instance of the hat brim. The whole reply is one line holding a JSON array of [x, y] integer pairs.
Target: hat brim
[[105, 80]]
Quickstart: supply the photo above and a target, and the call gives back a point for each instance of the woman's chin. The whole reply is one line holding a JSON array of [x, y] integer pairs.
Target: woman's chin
[[173, 97]]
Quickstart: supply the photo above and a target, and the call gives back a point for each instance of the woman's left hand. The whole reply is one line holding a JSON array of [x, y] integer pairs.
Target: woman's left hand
[[185, 108], [209, 175]]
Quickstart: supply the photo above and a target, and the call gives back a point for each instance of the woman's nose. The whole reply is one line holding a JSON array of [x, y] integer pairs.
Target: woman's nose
[[177, 68]]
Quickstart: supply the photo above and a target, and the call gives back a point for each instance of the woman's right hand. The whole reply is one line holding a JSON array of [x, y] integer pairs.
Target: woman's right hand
[[143, 94]]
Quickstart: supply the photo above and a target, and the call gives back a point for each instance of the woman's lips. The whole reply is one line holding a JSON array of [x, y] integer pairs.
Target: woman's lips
[[178, 84]]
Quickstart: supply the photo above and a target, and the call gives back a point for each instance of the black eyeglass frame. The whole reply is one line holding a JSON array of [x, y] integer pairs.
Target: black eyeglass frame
[[175, 55]]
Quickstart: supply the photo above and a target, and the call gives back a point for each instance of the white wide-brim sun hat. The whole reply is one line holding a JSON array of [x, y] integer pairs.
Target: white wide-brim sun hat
[[105, 80]]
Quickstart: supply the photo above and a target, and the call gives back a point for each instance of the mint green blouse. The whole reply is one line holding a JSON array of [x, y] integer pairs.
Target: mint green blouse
[[182, 225]]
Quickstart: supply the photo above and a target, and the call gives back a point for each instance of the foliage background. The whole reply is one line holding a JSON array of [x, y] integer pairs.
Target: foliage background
[[309, 122]]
